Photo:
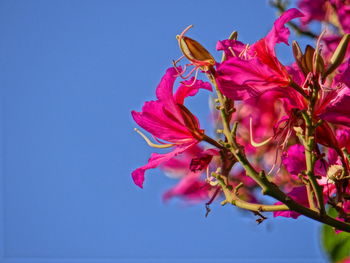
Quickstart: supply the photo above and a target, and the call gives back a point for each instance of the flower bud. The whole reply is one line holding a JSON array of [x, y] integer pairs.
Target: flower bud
[[195, 52], [308, 58], [339, 54], [318, 63], [298, 55]]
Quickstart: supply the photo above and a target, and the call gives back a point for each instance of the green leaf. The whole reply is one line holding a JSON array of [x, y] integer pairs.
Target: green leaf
[[336, 245]]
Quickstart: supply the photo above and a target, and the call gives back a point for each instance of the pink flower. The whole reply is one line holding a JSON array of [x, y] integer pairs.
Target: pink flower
[[343, 11], [257, 117], [256, 69], [189, 169], [332, 105], [298, 194], [294, 161], [313, 10], [343, 139], [168, 119], [323, 10], [338, 110]]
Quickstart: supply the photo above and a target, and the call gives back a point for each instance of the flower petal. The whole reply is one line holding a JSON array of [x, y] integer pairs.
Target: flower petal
[[188, 89], [161, 124], [190, 187], [338, 111], [280, 33], [298, 194], [241, 79], [156, 159], [164, 92], [294, 160]]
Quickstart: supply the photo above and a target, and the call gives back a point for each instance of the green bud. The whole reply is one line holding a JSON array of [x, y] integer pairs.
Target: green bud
[[339, 54], [298, 55]]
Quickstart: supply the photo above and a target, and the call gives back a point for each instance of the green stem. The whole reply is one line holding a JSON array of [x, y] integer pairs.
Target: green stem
[[232, 198], [310, 196], [211, 141], [310, 157]]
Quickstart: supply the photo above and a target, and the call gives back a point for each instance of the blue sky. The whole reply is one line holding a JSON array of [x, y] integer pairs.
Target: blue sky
[[71, 72]]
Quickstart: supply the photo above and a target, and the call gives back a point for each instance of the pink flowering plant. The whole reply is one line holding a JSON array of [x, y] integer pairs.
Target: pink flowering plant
[[283, 129]]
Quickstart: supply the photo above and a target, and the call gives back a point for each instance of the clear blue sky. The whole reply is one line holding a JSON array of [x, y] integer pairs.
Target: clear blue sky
[[70, 73]]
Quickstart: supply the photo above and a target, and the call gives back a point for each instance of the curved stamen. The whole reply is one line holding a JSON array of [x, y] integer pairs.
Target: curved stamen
[[178, 60], [179, 73], [318, 43], [256, 144], [158, 140], [189, 73], [184, 32], [275, 164], [244, 52], [232, 51], [160, 146], [194, 80]]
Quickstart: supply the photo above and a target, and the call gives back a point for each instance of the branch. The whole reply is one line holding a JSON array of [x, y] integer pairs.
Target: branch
[[268, 188]]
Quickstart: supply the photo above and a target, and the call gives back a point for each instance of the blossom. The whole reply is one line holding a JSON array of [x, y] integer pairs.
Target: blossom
[[169, 120], [256, 69], [313, 10], [188, 168], [343, 12], [338, 110], [331, 105], [333, 11], [294, 161], [298, 194]]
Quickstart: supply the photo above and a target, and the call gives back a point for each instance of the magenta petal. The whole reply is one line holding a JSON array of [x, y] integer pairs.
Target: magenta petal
[[190, 187], [313, 10], [338, 111], [156, 159], [280, 33], [288, 213], [241, 79], [344, 75], [258, 69], [298, 194], [294, 160], [188, 89], [164, 92], [227, 44], [154, 119], [343, 11]]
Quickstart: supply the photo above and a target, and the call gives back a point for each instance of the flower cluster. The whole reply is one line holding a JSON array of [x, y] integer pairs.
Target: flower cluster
[[284, 129]]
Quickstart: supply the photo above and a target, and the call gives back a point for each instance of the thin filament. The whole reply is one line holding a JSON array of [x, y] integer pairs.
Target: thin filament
[[184, 32], [159, 146], [256, 144], [194, 80]]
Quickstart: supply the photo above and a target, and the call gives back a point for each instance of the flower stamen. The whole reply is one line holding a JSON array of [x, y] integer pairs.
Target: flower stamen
[[194, 79], [148, 141], [232, 51], [252, 141]]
